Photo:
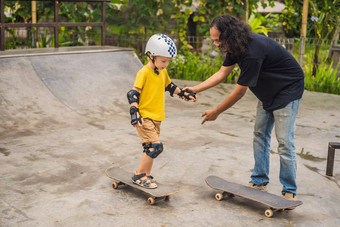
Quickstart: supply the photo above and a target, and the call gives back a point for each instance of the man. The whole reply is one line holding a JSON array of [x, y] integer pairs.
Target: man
[[276, 79]]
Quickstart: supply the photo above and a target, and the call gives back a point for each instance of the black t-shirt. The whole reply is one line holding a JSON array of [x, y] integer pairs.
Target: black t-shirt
[[270, 72]]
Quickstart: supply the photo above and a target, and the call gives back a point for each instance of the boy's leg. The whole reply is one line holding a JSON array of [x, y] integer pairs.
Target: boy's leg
[[262, 134], [149, 133], [284, 129], [145, 165]]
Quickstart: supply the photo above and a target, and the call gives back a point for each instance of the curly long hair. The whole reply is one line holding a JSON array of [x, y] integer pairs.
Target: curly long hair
[[235, 34]]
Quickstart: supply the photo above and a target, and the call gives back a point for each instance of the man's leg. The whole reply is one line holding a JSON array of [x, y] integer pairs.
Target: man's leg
[[284, 130], [262, 134]]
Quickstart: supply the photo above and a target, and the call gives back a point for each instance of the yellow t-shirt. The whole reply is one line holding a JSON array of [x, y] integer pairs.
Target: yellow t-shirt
[[151, 99]]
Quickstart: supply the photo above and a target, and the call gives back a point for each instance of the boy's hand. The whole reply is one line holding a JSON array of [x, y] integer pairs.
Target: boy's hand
[[192, 96], [187, 95], [139, 123], [136, 118]]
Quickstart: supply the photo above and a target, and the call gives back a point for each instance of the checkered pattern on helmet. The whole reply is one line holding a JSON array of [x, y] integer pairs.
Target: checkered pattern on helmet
[[172, 48]]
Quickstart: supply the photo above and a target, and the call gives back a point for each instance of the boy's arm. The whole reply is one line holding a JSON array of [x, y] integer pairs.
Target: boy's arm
[[133, 97]]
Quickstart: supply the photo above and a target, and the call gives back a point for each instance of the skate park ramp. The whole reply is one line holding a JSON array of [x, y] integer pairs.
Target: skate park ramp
[[64, 119], [65, 83]]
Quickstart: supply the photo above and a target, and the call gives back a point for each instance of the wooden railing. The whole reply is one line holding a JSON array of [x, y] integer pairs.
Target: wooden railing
[[55, 24]]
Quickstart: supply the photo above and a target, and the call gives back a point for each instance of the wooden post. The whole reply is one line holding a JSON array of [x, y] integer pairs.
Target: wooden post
[[2, 25], [103, 23], [56, 26], [34, 21], [303, 31]]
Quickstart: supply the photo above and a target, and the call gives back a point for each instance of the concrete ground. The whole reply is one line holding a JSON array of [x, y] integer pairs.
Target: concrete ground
[[64, 119]]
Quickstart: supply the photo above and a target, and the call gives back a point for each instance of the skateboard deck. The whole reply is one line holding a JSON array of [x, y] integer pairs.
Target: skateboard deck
[[273, 202], [123, 177]]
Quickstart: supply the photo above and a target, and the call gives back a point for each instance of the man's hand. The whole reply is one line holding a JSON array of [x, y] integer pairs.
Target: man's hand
[[189, 89], [210, 115]]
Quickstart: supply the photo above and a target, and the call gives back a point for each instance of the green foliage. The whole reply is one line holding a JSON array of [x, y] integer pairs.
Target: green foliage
[[291, 18], [325, 79], [328, 12], [256, 22], [325, 19], [137, 20], [181, 20], [326, 16], [44, 39], [209, 9], [197, 67], [76, 12]]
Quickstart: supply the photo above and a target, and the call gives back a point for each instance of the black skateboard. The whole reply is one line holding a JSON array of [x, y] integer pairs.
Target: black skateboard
[[123, 177], [273, 202]]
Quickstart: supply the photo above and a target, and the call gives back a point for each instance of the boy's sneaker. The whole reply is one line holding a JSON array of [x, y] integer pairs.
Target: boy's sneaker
[[143, 180], [258, 187], [289, 196]]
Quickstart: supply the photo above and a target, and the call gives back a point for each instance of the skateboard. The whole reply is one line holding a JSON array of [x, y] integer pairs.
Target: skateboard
[[273, 202], [123, 177]]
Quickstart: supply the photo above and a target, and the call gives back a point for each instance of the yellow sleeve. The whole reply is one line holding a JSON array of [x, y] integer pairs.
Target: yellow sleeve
[[167, 79], [140, 79]]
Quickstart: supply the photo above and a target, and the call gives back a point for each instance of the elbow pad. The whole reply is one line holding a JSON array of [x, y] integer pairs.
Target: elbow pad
[[133, 96]]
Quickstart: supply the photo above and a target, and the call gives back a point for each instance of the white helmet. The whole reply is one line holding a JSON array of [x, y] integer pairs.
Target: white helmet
[[161, 45]]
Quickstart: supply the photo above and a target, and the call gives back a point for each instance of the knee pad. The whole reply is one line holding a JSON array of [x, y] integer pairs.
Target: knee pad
[[158, 148]]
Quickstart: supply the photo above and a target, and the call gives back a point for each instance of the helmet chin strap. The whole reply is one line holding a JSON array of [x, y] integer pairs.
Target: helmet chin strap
[[153, 62]]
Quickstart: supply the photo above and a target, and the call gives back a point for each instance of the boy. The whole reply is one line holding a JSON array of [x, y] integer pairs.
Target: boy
[[147, 103]]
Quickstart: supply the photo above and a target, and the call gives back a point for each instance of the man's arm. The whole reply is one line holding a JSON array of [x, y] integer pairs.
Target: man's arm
[[215, 79]]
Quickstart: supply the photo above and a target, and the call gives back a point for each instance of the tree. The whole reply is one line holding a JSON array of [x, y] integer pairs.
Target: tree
[[337, 29], [209, 9], [291, 18], [325, 18]]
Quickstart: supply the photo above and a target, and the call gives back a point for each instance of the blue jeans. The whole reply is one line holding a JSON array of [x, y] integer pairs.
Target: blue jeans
[[284, 121]]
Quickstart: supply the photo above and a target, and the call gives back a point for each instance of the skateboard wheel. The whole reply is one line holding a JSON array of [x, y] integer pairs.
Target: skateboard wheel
[[219, 196], [269, 213], [151, 201], [168, 197], [115, 185]]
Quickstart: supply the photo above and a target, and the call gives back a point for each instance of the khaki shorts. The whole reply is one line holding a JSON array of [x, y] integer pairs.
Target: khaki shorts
[[149, 131]]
